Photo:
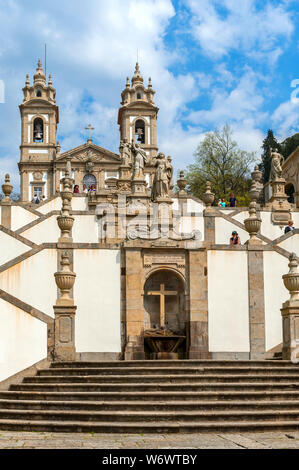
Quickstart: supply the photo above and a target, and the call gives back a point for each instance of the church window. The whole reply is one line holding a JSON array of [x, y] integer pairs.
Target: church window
[[140, 131], [38, 93], [38, 130], [90, 182], [139, 96]]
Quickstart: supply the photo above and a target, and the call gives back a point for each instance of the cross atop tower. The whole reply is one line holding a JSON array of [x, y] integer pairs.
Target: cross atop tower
[[89, 128]]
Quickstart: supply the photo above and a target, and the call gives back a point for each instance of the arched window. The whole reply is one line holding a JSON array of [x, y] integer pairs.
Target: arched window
[[38, 130], [89, 183], [38, 93], [140, 131], [139, 96]]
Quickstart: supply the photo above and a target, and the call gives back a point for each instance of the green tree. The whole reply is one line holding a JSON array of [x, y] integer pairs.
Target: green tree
[[289, 145], [268, 143], [218, 159]]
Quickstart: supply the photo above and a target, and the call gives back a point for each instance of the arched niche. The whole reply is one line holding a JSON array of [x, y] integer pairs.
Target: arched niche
[[38, 130], [140, 131], [290, 192], [165, 290], [90, 182]]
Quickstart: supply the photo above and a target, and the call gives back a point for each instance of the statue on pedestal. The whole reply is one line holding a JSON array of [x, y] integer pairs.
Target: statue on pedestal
[[276, 162], [163, 177], [140, 159], [125, 153]]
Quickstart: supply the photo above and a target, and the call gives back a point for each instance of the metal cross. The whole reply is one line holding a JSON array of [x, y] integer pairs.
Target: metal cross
[[89, 128], [162, 293]]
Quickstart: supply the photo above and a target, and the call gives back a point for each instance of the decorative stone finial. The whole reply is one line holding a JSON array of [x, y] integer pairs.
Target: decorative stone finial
[[150, 83], [208, 197], [182, 183], [58, 147], [50, 83], [291, 280], [65, 221], [253, 225], [65, 280], [39, 76], [256, 185], [128, 82], [7, 189], [137, 78], [27, 83]]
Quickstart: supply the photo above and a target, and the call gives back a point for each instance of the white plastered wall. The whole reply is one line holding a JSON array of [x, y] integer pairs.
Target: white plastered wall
[[32, 281], [10, 248], [23, 340], [80, 203], [275, 266], [97, 296], [291, 244], [21, 217], [47, 231], [228, 301], [53, 205], [268, 229], [224, 231], [85, 229]]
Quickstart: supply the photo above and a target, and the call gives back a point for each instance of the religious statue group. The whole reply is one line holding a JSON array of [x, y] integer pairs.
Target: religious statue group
[[134, 156]]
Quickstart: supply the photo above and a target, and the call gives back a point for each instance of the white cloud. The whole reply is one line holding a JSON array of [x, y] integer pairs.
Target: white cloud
[[221, 26], [286, 119]]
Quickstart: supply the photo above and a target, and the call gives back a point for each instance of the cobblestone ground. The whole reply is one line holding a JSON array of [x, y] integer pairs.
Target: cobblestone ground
[[37, 440]]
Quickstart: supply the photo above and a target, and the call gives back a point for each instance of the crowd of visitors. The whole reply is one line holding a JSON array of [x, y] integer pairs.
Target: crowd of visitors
[[231, 203], [85, 190]]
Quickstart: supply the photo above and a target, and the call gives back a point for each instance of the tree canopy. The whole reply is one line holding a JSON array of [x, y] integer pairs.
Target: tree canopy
[[218, 159]]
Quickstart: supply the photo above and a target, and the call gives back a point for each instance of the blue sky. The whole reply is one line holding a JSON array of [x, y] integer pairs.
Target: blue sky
[[211, 61]]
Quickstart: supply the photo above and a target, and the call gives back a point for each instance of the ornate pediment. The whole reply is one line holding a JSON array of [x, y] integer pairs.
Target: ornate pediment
[[89, 152]]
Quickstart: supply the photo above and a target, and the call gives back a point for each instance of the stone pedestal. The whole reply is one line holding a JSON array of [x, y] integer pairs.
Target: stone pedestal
[[65, 349], [290, 328], [134, 348], [290, 313], [281, 209]]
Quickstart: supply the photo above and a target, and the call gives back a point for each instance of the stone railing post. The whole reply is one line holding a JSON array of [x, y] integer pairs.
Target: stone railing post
[[65, 311], [209, 214], [6, 203], [290, 313]]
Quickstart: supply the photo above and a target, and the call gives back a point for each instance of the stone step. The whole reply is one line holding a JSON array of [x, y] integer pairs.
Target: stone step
[[156, 427], [170, 364], [150, 416], [164, 396], [173, 370], [178, 379], [176, 406], [147, 387]]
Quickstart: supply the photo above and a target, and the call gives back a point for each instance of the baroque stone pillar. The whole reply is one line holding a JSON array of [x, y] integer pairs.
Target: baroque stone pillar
[[290, 313], [256, 302], [6, 203], [65, 310], [198, 302], [209, 215], [134, 305]]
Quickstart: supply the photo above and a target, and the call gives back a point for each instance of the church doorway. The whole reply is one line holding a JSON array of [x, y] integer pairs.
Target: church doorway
[[165, 315]]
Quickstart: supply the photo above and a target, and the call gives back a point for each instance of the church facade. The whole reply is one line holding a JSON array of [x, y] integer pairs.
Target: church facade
[[131, 269]]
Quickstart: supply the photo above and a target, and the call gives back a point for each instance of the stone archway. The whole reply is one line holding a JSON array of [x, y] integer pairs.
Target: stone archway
[[290, 192], [165, 315]]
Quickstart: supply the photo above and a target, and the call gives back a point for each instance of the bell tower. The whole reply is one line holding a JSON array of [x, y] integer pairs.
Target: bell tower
[[39, 119], [137, 116]]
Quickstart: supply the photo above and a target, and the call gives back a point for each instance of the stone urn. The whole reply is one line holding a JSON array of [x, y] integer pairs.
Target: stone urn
[[208, 197], [65, 223], [7, 188], [291, 280], [65, 280], [253, 224], [182, 183]]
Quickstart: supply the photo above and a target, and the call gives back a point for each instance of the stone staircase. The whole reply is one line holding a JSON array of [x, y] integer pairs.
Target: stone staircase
[[155, 396]]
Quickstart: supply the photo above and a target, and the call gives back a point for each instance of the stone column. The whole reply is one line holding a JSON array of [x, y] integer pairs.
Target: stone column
[[255, 286], [198, 302], [290, 313], [134, 305], [6, 203], [65, 310], [209, 214]]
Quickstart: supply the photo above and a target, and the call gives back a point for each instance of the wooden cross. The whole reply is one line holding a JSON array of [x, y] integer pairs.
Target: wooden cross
[[162, 293], [89, 128]]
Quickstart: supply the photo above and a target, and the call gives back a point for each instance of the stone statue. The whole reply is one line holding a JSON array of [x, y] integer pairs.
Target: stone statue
[[140, 159], [125, 153], [163, 177], [276, 162]]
